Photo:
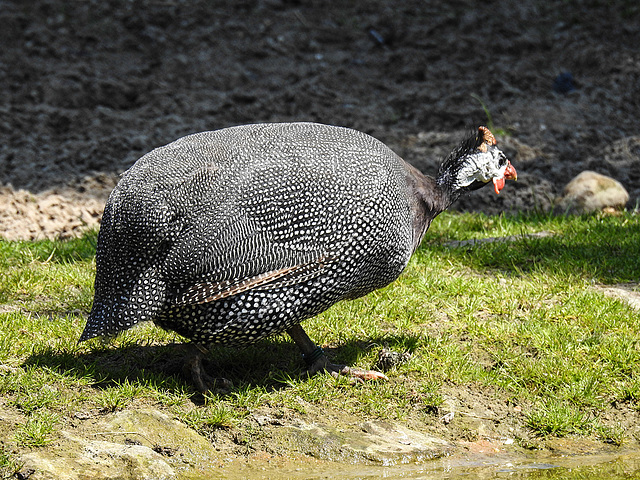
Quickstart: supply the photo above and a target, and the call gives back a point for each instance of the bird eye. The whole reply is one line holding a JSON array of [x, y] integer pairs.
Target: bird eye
[[502, 160]]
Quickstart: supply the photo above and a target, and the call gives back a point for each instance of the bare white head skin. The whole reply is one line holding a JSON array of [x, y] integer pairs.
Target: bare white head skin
[[481, 163]]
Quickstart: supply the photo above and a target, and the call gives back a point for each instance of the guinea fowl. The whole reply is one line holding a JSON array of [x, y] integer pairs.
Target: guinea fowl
[[229, 236]]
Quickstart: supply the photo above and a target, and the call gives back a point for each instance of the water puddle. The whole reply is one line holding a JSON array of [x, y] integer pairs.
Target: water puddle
[[606, 467]]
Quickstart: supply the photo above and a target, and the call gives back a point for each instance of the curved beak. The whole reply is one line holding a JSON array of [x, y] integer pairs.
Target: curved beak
[[509, 174]]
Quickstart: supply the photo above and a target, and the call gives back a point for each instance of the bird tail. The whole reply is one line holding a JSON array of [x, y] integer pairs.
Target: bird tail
[[119, 311]]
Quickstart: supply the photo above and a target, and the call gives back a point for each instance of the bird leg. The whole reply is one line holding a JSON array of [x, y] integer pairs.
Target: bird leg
[[193, 370], [317, 361]]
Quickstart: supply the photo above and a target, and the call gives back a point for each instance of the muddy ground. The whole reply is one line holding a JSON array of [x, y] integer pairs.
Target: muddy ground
[[90, 86]]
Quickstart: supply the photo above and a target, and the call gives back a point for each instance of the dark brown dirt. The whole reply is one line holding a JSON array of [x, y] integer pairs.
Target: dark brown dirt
[[88, 87]]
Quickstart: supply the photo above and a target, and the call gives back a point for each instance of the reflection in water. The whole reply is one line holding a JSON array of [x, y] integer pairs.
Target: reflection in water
[[606, 467]]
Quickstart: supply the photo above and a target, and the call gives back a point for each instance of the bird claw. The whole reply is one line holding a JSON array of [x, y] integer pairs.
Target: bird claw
[[355, 374], [317, 361], [193, 370], [367, 375], [205, 383]]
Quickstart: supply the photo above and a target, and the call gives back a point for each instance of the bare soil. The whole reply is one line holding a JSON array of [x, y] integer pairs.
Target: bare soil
[[88, 87]]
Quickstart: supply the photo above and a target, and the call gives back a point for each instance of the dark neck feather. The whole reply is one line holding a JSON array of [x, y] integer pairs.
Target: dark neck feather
[[433, 196], [429, 200], [447, 173]]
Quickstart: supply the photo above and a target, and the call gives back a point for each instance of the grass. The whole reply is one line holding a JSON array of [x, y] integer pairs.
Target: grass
[[8, 464], [38, 429], [519, 318]]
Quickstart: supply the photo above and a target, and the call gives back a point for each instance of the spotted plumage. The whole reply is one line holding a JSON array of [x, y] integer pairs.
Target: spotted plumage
[[229, 236]]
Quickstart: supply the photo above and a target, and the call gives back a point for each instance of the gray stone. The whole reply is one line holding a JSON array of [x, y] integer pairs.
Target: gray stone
[[96, 459], [125, 446], [591, 191], [379, 442], [627, 292]]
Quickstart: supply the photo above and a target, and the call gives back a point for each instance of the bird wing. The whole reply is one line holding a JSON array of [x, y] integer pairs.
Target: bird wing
[[211, 291], [229, 238]]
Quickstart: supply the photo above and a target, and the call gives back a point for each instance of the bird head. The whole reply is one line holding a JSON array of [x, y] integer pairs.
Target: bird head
[[475, 163]]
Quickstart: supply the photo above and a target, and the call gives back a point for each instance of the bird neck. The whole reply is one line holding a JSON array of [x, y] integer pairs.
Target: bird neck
[[451, 182], [447, 186], [430, 198]]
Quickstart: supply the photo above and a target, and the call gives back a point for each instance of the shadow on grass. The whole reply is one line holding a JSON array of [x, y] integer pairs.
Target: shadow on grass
[[160, 366], [600, 248]]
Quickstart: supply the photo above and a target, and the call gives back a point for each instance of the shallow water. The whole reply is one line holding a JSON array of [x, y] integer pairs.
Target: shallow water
[[624, 465]]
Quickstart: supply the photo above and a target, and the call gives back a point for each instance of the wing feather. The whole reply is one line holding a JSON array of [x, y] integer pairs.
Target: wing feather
[[206, 292]]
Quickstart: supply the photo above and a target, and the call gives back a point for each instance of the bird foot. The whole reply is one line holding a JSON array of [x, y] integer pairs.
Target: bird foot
[[356, 374], [317, 361], [193, 370]]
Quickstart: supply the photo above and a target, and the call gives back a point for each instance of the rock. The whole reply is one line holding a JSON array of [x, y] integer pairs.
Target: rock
[[96, 459], [591, 191], [163, 433], [628, 293], [389, 442], [136, 445], [388, 359], [382, 443], [149, 444]]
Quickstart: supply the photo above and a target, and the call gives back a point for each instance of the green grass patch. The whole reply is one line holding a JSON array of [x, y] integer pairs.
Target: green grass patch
[[559, 418], [9, 465], [38, 429], [517, 315]]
